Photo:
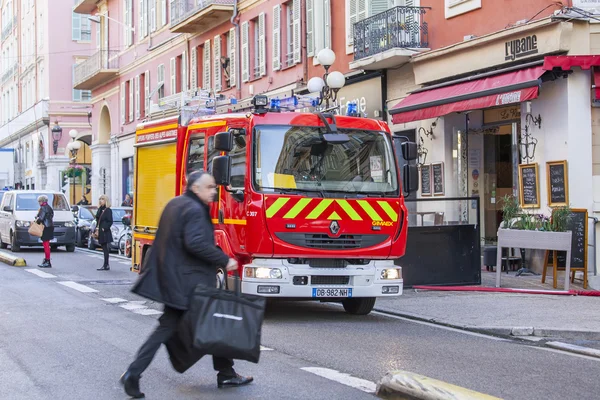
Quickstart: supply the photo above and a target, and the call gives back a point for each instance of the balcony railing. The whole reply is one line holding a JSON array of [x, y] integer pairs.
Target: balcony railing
[[200, 15], [398, 27], [8, 28], [96, 70]]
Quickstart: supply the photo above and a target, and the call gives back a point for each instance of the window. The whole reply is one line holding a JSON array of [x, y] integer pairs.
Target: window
[[131, 97], [245, 51], [81, 27], [143, 19], [217, 63], [127, 31], [206, 66], [152, 15], [238, 164], [173, 71], [212, 153], [255, 47], [123, 103], [28, 202], [147, 93], [137, 97], [183, 76], [318, 26], [127, 177], [161, 81], [194, 68], [196, 154], [163, 12], [289, 31], [232, 57]]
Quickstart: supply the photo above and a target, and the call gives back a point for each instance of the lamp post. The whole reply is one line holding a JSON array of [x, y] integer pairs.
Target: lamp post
[[74, 146], [328, 86], [56, 136]]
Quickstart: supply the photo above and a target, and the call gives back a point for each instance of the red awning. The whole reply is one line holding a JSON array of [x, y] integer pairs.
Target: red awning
[[568, 62], [507, 88]]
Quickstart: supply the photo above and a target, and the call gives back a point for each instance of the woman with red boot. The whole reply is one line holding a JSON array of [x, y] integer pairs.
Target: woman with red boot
[[44, 217]]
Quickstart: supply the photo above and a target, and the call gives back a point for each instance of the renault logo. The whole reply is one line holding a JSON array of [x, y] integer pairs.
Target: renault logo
[[334, 227]]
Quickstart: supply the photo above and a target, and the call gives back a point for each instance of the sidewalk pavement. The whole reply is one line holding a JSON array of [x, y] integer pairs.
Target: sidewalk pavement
[[571, 318]]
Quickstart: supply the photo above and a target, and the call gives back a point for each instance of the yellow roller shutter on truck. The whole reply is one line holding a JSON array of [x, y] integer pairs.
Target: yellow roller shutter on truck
[[155, 182]]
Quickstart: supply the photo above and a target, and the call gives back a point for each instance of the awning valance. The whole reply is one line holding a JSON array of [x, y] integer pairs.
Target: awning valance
[[502, 89]]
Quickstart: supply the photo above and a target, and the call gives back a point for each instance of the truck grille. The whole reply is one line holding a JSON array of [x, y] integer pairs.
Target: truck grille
[[325, 242], [329, 280], [327, 263]]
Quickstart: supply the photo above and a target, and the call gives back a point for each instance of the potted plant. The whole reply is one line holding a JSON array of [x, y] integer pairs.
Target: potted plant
[[74, 170]]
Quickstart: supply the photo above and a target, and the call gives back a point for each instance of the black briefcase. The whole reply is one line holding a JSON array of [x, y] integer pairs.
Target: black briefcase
[[227, 324]]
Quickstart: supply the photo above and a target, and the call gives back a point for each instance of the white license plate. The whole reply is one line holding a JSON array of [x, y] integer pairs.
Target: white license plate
[[54, 240], [324, 292]]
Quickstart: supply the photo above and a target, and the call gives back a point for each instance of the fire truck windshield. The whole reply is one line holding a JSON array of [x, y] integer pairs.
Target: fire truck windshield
[[298, 159]]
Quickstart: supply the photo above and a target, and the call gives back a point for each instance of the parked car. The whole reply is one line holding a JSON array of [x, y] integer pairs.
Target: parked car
[[84, 216], [117, 229], [18, 210]]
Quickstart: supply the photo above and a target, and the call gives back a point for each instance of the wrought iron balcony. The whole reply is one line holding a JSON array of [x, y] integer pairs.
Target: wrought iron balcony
[[389, 38], [96, 70], [197, 16], [85, 6]]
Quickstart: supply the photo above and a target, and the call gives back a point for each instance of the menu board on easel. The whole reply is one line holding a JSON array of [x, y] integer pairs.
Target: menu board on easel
[[578, 225], [426, 180], [437, 170], [529, 195], [558, 183]]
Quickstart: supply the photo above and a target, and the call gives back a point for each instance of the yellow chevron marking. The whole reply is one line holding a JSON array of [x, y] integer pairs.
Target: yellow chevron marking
[[369, 210], [349, 210], [388, 210], [334, 215], [279, 203], [297, 209], [318, 210]]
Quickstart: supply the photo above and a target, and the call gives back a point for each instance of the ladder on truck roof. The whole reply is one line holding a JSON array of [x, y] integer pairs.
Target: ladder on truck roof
[[189, 104]]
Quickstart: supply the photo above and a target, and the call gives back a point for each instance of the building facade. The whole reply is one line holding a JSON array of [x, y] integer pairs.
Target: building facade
[[37, 91]]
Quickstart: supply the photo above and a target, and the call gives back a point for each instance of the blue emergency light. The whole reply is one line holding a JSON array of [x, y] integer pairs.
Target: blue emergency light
[[352, 110]]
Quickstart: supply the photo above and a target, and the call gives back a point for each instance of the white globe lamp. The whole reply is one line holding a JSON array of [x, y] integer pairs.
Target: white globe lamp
[[336, 80], [316, 84], [326, 57], [73, 133], [76, 145]]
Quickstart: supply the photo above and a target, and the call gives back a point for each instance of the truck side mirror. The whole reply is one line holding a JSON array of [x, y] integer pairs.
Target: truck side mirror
[[223, 141], [411, 179], [409, 151], [8, 208], [221, 170]]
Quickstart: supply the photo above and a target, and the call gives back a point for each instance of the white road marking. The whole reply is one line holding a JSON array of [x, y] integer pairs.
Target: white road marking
[[344, 379], [115, 300], [79, 287], [130, 306], [263, 348], [124, 262], [146, 311], [138, 301], [39, 273]]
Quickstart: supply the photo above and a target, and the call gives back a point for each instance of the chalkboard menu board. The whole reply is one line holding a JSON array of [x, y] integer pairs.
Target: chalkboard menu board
[[558, 183], [529, 182], [438, 178], [426, 180], [579, 241]]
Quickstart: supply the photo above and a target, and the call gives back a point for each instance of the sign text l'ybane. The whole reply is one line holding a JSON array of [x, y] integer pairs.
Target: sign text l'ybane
[[518, 48]]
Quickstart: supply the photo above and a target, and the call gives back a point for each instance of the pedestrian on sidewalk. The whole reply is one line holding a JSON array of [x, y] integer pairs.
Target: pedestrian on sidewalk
[[183, 255], [104, 221], [45, 217]]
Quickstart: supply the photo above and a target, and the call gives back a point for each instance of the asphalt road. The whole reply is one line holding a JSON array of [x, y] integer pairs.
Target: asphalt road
[[62, 340]]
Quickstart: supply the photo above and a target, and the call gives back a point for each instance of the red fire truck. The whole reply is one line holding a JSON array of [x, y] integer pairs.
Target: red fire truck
[[310, 203]]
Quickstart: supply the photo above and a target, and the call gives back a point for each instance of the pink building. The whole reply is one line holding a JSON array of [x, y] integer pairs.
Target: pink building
[[144, 54], [36, 85]]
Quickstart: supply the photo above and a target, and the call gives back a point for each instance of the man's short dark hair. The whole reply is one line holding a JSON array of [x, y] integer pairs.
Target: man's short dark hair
[[194, 177]]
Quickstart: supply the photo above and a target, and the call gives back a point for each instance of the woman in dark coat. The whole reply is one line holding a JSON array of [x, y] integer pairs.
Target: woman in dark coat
[[104, 220], [44, 217]]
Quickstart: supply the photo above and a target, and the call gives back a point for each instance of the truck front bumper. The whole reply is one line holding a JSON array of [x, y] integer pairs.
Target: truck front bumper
[[302, 281]]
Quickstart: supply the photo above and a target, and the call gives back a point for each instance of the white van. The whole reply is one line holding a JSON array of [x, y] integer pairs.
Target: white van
[[18, 210]]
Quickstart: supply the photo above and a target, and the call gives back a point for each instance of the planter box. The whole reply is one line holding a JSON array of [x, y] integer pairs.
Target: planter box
[[540, 240]]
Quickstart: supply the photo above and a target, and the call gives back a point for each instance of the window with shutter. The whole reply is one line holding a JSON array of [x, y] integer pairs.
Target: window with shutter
[[376, 6], [245, 52], [76, 26], [297, 32], [152, 15], [147, 93], [310, 28], [262, 45], [161, 81], [184, 71], [137, 97], [131, 108], [232, 60], [276, 38], [217, 62], [143, 19], [163, 7], [173, 72], [123, 111], [327, 23], [194, 68], [206, 67]]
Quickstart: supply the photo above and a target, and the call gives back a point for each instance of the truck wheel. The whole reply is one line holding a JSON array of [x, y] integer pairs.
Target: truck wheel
[[14, 246], [70, 248], [359, 306]]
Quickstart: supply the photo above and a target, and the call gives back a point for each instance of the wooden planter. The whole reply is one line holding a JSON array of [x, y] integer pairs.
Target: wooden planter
[[538, 240]]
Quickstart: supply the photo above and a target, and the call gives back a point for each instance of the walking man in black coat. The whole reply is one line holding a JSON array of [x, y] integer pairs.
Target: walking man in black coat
[[183, 255]]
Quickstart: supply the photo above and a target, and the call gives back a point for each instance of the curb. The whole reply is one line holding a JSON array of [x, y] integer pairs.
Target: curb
[[586, 351], [12, 260], [396, 385], [513, 332]]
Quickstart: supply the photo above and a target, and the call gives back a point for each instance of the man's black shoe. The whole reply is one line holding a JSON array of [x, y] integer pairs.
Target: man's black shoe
[[131, 384], [233, 381]]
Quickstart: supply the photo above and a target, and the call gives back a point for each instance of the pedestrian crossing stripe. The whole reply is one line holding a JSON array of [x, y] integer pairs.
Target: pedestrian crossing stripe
[[332, 209]]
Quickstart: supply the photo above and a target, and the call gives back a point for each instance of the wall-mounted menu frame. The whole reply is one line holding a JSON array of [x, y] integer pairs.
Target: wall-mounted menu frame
[[437, 172], [529, 195], [557, 182], [426, 180]]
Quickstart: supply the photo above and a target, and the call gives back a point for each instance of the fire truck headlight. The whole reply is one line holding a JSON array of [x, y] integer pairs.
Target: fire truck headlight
[[263, 273], [391, 273]]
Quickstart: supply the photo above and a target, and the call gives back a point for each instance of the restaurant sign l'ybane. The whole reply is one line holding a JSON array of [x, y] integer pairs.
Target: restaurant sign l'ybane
[[518, 48]]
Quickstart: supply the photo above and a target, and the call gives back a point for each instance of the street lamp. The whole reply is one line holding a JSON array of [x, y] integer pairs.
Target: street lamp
[[75, 145], [328, 86], [96, 19], [56, 136]]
